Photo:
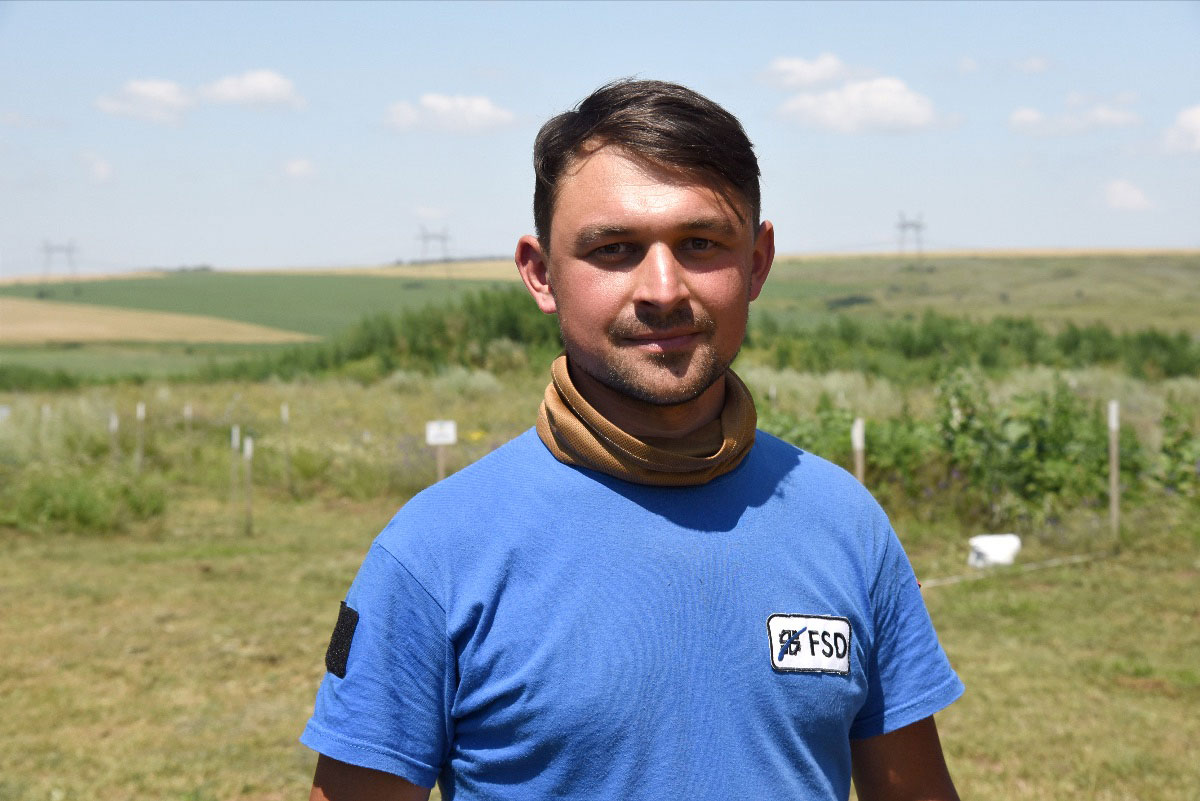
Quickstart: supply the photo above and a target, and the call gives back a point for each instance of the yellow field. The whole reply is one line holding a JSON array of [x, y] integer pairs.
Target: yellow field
[[479, 270], [27, 322]]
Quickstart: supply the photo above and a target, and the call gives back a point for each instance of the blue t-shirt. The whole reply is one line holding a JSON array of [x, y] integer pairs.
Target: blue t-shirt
[[533, 630]]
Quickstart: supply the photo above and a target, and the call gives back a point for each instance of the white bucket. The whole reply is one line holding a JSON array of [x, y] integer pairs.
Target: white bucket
[[993, 549]]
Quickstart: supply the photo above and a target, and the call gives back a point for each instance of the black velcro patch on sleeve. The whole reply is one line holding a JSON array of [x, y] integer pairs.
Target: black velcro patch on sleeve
[[339, 643]]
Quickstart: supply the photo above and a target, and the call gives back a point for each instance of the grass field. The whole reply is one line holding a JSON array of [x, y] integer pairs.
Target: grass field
[[320, 304], [176, 657], [1145, 289], [180, 661], [111, 360]]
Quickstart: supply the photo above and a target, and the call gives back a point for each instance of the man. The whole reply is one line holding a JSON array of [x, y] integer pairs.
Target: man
[[642, 597]]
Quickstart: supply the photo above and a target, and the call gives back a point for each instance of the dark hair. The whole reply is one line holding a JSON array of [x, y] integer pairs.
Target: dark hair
[[664, 123]]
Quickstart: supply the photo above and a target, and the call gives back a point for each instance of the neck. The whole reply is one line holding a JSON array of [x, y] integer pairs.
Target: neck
[[640, 419]]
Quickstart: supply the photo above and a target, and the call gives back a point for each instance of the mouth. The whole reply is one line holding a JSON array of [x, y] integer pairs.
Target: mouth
[[663, 341]]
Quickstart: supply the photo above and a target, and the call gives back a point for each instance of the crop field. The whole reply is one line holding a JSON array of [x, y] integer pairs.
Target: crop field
[[31, 321], [1149, 289], [166, 616], [311, 303]]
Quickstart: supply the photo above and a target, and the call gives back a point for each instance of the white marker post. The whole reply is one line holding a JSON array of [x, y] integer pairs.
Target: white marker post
[[248, 458], [285, 418], [858, 442], [235, 448], [439, 434], [114, 445], [1114, 469], [140, 450]]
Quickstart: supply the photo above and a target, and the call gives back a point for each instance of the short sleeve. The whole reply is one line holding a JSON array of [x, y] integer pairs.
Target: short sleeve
[[909, 677], [391, 709]]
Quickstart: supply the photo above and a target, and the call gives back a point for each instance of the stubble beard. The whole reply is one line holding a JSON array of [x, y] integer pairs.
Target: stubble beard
[[654, 378]]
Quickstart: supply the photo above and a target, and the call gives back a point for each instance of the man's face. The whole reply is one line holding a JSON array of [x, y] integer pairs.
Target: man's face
[[651, 274]]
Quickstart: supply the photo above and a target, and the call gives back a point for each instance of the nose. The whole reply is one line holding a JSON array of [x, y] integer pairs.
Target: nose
[[661, 279]]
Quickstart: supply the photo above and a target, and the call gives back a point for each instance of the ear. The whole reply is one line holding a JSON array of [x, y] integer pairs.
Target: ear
[[535, 272], [763, 258]]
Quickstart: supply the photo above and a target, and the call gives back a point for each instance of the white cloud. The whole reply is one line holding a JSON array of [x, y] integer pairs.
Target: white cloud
[[299, 168], [967, 64], [253, 88], [403, 115], [100, 169], [150, 99], [1033, 65], [1105, 116], [879, 104], [461, 113], [799, 73], [1121, 194], [1026, 119], [1184, 135], [1076, 120]]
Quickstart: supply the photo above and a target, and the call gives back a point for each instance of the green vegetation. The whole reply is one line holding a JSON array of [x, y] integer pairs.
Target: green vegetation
[[1124, 290], [497, 329], [156, 649], [42, 367], [911, 350]]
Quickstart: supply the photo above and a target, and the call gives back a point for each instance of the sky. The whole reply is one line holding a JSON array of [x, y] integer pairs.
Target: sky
[[262, 135]]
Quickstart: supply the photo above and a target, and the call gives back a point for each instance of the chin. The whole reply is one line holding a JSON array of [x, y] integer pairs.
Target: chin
[[669, 380]]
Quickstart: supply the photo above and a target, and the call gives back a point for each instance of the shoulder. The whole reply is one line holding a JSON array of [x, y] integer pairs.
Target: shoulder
[[811, 476], [480, 509]]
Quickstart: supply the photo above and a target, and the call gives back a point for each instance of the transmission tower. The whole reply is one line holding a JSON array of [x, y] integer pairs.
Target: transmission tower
[[426, 236], [50, 250], [916, 225]]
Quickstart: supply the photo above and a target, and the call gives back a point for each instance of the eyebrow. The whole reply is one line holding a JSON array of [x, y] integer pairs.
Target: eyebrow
[[594, 233]]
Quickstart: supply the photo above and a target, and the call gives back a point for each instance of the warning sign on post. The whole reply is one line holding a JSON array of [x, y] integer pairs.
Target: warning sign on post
[[441, 432]]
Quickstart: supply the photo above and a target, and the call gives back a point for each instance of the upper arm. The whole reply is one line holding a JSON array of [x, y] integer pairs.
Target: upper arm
[[903, 765], [339, 781]]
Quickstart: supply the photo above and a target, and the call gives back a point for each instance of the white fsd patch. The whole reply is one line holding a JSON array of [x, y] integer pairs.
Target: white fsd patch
[[809, 643]]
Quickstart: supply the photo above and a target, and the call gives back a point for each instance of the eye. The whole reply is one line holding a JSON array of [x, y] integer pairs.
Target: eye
[[613, 250], [698, 243]]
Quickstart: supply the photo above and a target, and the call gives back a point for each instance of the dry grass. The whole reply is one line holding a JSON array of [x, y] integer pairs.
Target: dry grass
[[26, 321]]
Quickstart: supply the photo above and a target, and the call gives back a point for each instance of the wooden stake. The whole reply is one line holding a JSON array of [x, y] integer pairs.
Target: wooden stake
[[440, 450], [858, 441], [1114, 469]]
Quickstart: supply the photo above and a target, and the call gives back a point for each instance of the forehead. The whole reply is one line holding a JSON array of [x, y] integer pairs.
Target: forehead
[[607, 185]]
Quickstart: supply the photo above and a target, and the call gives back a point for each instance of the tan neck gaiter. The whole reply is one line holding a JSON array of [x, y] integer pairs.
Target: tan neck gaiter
[[579, 435]]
